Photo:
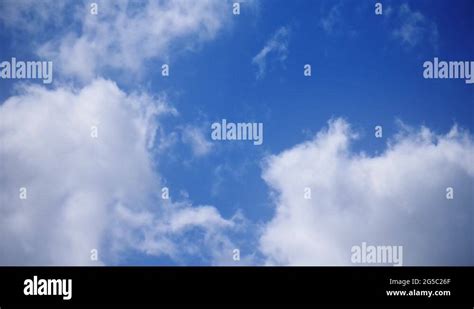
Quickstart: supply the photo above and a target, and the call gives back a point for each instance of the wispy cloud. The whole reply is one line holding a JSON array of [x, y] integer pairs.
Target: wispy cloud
[[30, 16], [196, 138], [275, 48], [121, 37], [408, 26], [412, 27], [333, 19]]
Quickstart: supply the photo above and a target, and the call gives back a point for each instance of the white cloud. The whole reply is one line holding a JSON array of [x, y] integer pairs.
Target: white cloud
[[104, 193], [413, 27], [122, 36], [395, 198], [276, 46], [196, 138], [89, 193]]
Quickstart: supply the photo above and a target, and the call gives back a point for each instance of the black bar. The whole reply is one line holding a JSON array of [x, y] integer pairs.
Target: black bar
[[240, 285]]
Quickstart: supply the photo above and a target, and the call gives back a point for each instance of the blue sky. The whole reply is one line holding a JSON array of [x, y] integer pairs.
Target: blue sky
[[366, 69]]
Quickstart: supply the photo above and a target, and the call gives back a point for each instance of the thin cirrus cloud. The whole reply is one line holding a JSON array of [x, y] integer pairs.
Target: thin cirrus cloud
[[406, 25], [395, 198], [275, 49], [196, 138], [30, 16], [333, 19], [414, 28]]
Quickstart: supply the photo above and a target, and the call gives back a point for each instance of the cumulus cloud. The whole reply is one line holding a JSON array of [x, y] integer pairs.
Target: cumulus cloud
[[276, 48], [84, 156], [395, 198], [104, 191]]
